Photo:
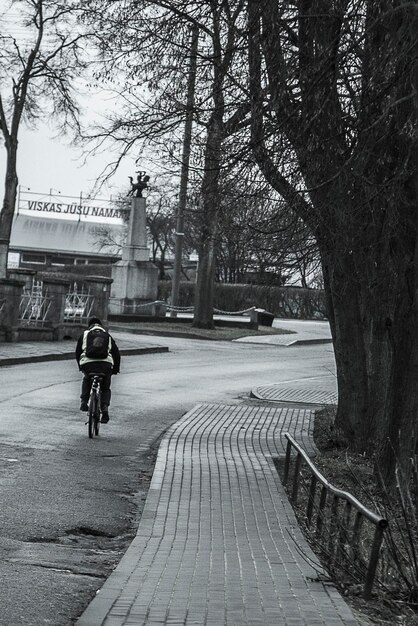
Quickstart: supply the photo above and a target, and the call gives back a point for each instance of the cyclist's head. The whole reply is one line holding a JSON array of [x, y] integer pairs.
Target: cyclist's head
[[93, 321]]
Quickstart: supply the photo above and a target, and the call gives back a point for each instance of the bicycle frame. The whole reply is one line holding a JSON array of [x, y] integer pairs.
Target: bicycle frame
[[94, 405]]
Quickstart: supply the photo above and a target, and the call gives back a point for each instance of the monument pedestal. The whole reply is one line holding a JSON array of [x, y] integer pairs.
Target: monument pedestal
[[135, 277]]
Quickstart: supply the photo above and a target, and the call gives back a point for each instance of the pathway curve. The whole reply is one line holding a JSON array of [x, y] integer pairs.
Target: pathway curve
[[218, 543]]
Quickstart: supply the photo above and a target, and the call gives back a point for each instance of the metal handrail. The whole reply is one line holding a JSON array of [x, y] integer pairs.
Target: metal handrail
[[380, 523]]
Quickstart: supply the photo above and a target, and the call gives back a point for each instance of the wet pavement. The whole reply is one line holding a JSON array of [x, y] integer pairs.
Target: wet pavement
[[218, 543]]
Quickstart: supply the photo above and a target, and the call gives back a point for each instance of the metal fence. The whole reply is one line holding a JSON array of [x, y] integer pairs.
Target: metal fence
[[34, 305], [338, 533], [79, 304]]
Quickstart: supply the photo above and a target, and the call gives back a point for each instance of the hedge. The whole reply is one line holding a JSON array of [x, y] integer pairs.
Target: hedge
[[290, 302]]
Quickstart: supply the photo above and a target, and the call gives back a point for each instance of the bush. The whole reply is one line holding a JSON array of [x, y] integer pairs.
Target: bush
[[291, 302]]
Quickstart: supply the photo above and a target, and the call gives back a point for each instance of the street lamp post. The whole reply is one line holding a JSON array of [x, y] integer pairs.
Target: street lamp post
[[179, 234]]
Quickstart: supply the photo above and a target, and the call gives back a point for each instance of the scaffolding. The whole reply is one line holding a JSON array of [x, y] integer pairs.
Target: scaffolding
[[34, 305], [79, 304]]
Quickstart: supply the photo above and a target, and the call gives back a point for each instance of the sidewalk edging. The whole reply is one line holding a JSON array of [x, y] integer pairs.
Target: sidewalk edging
[[65, 356], [303, 342]]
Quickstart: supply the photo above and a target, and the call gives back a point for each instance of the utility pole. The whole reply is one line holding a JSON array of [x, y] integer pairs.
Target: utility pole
[[184, 179]]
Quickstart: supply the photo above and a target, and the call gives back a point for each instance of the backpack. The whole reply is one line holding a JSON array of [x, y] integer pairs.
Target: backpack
[[97, 344]]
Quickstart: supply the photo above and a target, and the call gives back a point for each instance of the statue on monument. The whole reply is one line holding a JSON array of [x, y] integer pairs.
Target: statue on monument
[[141, 184]]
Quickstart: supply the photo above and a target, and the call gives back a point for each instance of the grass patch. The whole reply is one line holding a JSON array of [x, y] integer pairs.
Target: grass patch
[[219, 333]]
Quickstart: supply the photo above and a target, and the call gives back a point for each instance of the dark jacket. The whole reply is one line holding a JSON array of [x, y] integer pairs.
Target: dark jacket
[[114, 352]]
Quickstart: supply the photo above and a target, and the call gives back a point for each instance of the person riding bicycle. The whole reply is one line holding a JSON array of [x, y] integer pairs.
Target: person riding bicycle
[[97, 352]]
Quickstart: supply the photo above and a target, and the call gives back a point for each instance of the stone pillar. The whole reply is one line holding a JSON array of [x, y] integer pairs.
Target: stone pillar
[[10, 296], [136, 248], [27, 276], [56, 290], [135, 278], [99, 287]]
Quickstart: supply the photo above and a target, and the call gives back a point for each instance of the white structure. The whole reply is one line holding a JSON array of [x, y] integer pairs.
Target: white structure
[[61, 230]]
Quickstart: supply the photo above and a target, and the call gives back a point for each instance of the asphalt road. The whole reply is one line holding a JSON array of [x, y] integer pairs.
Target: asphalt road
[[70, 505]]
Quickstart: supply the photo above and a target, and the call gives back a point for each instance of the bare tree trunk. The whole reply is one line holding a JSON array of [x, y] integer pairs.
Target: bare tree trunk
[[9, 203], [362, 203], [210, 200], [346, 327], [203, 311], [374, 324], [399, 445], [161, 264]]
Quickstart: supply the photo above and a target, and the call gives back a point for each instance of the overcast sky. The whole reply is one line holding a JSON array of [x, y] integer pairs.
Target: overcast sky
[[46, 162], [46, 159]]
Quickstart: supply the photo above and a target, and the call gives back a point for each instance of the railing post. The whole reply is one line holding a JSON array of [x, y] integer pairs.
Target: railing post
[[374, 556], [355, 541], [332, 527], [343, 532], [321, 507], [287, 462], [296, 477], [312, 491]]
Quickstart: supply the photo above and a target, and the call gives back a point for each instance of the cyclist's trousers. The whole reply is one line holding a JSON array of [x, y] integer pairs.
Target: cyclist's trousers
[[99, 367]]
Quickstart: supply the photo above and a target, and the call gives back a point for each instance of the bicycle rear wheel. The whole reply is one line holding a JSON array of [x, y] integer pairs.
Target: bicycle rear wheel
[[97, 420], [92, 414]]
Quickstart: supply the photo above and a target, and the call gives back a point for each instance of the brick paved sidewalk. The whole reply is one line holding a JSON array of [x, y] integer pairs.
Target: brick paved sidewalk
[[218, 544]]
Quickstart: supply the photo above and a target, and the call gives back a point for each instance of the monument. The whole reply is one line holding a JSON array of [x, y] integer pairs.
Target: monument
[[135, 277]]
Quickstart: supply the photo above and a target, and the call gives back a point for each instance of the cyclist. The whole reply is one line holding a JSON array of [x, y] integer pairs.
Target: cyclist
[[97, 352]]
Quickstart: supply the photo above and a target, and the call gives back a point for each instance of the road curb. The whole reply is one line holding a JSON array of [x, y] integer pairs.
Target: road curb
[[65, 356], [306, 396], [304, 342]]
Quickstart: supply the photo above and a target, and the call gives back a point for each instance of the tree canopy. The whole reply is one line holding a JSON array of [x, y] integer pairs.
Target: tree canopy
[[334, 131]]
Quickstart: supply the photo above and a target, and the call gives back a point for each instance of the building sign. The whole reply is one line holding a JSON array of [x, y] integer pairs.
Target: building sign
[[53, 206], [38, 232], [69, 209]]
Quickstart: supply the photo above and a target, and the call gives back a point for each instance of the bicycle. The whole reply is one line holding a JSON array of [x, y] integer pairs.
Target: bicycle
[[94, 405]]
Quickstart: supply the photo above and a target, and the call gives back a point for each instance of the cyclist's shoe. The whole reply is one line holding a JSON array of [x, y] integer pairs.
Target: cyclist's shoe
[[105, 415], [84, 406]]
